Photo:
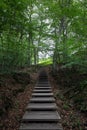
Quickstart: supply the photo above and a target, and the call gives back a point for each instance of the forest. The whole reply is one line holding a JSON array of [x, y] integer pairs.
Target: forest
[[36, 33]]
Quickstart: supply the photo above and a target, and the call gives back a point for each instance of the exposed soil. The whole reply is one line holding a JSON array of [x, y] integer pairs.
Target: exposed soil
[[14, 97], [72, 118]]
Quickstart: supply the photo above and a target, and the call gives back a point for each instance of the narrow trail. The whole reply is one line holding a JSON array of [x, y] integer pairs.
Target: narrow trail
[[41, 112]]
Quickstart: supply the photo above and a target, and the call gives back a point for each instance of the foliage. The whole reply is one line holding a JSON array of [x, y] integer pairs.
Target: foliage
[[47, 61], [32, 28]]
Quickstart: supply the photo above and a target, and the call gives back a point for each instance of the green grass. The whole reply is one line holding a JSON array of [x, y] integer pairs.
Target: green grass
[[45, 61]]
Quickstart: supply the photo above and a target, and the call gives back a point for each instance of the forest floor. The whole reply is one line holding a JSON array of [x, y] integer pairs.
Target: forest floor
[[15, 95], [72, 119]]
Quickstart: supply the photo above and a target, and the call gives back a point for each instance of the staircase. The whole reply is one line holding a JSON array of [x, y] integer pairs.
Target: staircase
[[41, 112]]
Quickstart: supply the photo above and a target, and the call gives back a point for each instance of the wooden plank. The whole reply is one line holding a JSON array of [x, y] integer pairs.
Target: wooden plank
[[42, 106], [42, 90], [42, 99], [42, 94], [40, 126], [43, 84], [41, 116], [42, 87]]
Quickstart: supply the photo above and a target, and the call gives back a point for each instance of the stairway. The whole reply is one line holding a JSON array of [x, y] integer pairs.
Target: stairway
[[41, 112]]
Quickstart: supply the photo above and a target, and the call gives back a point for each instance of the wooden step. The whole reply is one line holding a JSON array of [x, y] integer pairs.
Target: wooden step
[[42, 90], [40, 126], [41, 116], [42, 94], [41, 106], [41, 113], [42, 99], [42, 87], [43, 82]]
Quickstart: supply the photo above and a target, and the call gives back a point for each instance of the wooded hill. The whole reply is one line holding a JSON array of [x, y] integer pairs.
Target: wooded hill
[[33, 30]]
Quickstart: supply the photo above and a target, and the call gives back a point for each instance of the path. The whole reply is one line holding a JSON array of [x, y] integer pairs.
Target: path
[[41, 113]]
